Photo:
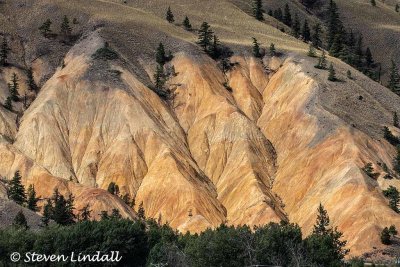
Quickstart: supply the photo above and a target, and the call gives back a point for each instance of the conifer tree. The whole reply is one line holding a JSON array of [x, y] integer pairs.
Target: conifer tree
[[278, 14], [45, 28], [47, 213], [170, 17], [159, 80], [20, 221], [160, 56], [385, 236], [368, 58], [256, 48], [4, 49], [394, 78], [115, 214], [359, 52], [311, 51], [396, 162], [32, 199], [316, 38], [186, 24], [393, 230], [8, 103], [321, 61], [395, 120], [215, 48], [373, 2], [336, 46], [84, 213], [62, 209], [141, 212], [16, 190], [296, 26], [334, 23], [205, 36], [66, 29], [272, 50], [13, 87], [113, 188], [322, 223], [397, 8], [257, 10], [287, 17], [328, 234], [32, 86], [332, 74], [306, 31], [394, 198]]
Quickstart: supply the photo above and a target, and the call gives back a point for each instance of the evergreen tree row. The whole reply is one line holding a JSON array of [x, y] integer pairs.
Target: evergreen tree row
[[148, 243]]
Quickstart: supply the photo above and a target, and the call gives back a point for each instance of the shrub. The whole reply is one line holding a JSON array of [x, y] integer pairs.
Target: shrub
[[105, 53]]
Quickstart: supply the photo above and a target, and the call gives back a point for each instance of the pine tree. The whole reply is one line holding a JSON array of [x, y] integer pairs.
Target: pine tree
[[47, 213], [8, 103], [394, 198], [205, 36], [321, 61], [45, 28], [257, 10], [394, 79], [160, 56], [334, 23], [311, 51], [316, 38], [272, 50], [62, 211], [359, 52], [113, 188], [215, 48], [16, 190], [84, 213], [66, 29], [385, 236], [397, 8], [186, 24], [31, 81], [32, 199], [141, 212], [278, 14], [170, 16], [287, 17], [4, 49], [306, 31], [296, 26], [373, 2], [368, 58], [256, 48], [395, 120], [393, 230], [159, 79], [396, 162], [20, 221], [332, 74], [115, 214], [13, 87], [322, 223], [336, 46]]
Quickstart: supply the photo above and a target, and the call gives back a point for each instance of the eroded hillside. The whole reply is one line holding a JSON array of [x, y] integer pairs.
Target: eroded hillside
[[267, 140]]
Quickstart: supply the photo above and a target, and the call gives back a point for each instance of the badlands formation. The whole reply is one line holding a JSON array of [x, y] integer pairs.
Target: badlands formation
[[269, 140]]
